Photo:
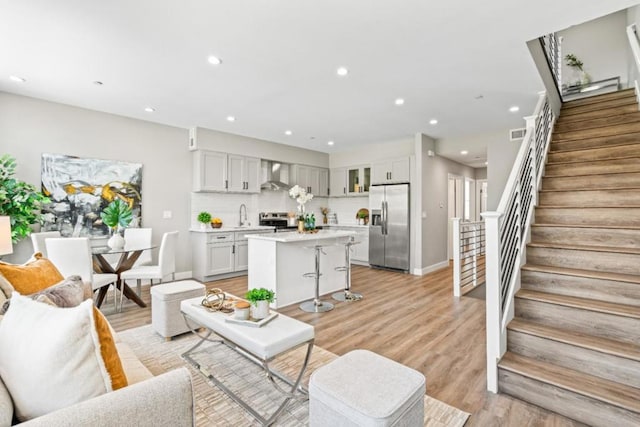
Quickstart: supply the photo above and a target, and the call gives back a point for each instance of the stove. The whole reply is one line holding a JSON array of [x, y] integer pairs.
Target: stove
[[279, 220]]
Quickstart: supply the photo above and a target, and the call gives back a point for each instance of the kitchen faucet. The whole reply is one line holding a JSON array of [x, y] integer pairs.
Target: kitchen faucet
[[243, 222]]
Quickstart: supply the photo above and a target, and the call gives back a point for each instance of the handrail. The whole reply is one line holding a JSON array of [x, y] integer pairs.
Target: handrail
[[507, 232], [468, 253], [632, 35], [552, 48]]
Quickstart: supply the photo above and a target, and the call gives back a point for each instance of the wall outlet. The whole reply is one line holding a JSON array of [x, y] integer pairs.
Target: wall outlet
[[166, 215]]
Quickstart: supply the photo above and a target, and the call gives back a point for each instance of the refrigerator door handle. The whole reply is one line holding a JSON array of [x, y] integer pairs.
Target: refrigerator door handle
[[384, 217]]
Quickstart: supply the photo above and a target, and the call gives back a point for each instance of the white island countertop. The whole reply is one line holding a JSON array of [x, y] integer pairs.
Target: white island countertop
[[225, 229], [294, 236]]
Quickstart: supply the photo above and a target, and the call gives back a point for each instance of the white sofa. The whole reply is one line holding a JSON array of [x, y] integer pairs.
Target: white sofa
[[165, 400]]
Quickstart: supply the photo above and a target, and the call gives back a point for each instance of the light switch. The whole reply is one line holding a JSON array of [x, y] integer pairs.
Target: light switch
[[166, 215], [441, 205]]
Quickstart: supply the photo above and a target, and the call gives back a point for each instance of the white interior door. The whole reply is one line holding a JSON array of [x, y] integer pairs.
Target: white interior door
[[455, 208], [481, 198]]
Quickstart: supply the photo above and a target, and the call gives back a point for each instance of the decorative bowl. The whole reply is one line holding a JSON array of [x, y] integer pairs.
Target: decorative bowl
[[216, 224]]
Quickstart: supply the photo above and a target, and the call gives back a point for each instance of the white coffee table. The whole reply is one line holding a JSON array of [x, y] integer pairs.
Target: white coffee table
[[260, 345]]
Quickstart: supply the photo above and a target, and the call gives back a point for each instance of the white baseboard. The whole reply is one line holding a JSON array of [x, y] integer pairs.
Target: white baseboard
[[430, 268]]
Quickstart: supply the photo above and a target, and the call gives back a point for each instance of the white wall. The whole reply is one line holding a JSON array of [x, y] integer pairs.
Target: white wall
[[481, 173], [501, 153], [633, 17], [601, 45], [30, 127], [373, 152]]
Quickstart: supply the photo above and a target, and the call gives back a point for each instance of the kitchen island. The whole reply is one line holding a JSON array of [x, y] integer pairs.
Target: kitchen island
[[278, 261]]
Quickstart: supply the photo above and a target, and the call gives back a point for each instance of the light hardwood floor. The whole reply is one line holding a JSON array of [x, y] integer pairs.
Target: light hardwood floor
[[413, 320]]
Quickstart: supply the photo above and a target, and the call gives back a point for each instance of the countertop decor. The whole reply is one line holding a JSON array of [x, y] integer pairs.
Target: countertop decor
[[224, 229]]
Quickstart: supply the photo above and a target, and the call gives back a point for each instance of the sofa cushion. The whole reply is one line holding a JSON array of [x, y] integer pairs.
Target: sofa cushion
[[6, 406], [50, 356], [134, 369], [35, 275], [109, 351], [70, 292], [5, 287]]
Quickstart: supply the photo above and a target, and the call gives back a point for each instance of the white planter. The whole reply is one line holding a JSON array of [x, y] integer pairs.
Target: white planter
[[116, 241], [204, 226], [260, 310]]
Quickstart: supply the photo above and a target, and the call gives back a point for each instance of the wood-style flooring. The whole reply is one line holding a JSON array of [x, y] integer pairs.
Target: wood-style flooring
[[413, 320]]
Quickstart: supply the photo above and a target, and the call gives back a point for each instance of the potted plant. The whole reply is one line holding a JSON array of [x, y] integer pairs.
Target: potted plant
[[325, 212], [302, 197], [204, 218], [18, 200], [260, 299], [579, 77], [116, 215]]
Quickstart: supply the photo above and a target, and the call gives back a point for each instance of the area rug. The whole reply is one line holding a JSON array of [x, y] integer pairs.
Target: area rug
[[214, 408]]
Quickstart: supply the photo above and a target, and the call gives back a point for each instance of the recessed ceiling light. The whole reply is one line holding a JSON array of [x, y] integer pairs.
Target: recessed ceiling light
[[98, 83], [288, 132], [149, 109], [342, 71], [17, 79], [214, 60], [231, 119], [464, 152], [330, 143], [433, 122], [514, 109], [399, 101]]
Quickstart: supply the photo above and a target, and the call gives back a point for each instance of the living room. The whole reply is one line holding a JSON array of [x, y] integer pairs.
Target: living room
[[72, 114]]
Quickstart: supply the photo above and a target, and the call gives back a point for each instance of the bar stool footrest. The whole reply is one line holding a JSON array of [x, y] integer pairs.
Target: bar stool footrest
[[316, 306]]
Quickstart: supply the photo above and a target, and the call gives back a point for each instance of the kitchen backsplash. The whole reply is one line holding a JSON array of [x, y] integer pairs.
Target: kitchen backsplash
[[227, 206]]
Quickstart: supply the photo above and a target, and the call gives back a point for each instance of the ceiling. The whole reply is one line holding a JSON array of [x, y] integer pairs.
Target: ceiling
[[280, 60]]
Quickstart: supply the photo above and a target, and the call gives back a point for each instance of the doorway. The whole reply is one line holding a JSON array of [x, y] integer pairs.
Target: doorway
[[455, 207]]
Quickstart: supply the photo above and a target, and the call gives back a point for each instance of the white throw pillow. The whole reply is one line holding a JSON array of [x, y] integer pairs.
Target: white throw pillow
[[50, 357]]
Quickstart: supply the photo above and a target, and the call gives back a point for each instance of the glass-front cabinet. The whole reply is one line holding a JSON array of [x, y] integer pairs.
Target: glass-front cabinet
[[358, 180]]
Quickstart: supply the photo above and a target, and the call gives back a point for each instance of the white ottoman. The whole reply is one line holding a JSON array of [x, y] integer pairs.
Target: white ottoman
[[363, 388], [166, 318]]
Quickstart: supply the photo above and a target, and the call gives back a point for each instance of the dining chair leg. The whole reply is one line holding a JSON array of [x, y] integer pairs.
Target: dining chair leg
[[139, 287]]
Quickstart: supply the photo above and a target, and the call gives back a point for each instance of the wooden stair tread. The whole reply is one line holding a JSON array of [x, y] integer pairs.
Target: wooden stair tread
[[578, 339], [586, 206], [604, 226], [582, 190], [616, 394], [631, 156], [611, 145], [598, 106], [599, 98], [580, 303], [591, 274], [624, 107], [591, 248]]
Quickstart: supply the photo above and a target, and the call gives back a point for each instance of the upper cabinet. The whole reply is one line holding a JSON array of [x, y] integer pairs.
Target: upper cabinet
[[390, 171], [351, 181], [314, 180], [221, 172]]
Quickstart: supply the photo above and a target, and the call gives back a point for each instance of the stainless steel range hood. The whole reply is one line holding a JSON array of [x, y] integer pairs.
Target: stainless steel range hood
[[273, 180]]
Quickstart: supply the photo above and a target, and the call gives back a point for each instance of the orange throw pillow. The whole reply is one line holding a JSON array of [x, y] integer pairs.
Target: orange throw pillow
[[35, 275], [109, 352]]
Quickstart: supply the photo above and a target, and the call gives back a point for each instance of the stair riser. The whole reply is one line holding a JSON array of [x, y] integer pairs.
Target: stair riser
[[578, 407], [563, 126], [592, 133], [629, 217], [600, 101], [585, 260], [594, 182], [622, 238], [603, 153], [593, 168], [614, 368], [630, 107], [625, 139], [582, 287], [604, 325], [593, 198]]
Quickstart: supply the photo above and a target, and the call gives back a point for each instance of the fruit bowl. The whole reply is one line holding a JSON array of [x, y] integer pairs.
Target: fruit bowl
[[216, 224]]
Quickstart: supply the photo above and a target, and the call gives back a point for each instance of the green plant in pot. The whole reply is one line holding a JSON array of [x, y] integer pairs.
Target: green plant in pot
[[116, 215], [204, 218], [20, 201], [260, 299]]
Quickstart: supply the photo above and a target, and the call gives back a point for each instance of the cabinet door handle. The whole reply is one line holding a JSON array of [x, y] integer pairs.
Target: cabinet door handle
[[220, 237], [233, 249], [390, 175], [344, 190], [226, 184]]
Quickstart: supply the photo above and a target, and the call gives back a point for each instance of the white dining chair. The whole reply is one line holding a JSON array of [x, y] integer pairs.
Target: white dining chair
[[37, 239], [139, 238], [72, 256], [166, 263]]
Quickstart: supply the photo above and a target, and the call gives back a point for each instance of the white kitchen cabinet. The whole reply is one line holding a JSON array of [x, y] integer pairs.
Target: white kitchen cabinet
[[209, 171], [220, 258], [314, 180], [390, 171], [243, 174], [361, 250], [338, 182], [358, 180], [241, 256], [222, 172]]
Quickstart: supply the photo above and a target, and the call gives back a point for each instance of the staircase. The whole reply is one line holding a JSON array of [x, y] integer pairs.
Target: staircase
[[573, 346]]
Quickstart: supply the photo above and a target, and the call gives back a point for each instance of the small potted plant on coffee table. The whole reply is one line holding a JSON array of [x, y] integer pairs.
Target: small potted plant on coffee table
[[260, 299]]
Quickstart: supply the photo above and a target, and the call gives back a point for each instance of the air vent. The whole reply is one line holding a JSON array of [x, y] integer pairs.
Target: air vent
[[517, 134]]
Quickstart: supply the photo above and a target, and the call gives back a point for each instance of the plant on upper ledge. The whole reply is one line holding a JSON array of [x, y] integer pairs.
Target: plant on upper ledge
[[20, 201]]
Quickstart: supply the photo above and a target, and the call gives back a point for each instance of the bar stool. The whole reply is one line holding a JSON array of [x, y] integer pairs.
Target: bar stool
[[316, 305], [347, 295]]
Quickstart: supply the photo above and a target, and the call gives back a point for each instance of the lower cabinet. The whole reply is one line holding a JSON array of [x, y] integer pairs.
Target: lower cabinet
[[359, 251], [221, 253]]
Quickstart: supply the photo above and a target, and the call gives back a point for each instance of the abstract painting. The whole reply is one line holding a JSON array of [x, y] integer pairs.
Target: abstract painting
[[80, 188]]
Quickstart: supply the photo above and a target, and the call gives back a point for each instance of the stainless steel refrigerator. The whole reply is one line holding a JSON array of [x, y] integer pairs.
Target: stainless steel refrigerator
[[389, 226]]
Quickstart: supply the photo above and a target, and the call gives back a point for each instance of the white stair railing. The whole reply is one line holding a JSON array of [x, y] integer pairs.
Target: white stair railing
[[634, 44], [468, 256], [507, 233]]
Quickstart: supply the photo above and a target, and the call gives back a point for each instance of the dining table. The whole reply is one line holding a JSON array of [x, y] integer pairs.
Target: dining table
[[127, 256]]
